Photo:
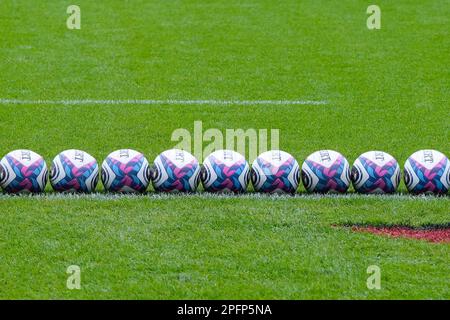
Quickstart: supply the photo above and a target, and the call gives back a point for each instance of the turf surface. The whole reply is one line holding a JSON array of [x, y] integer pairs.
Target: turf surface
[[217, 247], [386, 89]]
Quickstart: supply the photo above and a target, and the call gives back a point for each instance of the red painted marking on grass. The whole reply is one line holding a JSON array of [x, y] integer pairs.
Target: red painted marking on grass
[[432, 234]]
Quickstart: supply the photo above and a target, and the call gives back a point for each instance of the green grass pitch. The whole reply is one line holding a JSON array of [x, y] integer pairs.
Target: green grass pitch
[[385, 89]]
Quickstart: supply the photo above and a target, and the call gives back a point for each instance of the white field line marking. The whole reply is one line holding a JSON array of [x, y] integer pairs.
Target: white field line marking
[[163, 102], [205, 195]]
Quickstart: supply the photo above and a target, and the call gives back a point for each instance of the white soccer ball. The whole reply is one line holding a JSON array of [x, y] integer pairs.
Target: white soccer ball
[[74, 171], [225, 171], [427, 171], [125, 171], [375, 172], [23, 171], [175, 170], [275, 171], [326, 171]]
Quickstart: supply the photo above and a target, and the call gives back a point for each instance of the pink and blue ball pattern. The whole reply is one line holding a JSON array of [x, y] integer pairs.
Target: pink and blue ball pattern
[[277, 177], [380, 178], [330, 178], [126, 174], [75, 178], [26, 176], [429, 179], [227, 177], [177, 178]]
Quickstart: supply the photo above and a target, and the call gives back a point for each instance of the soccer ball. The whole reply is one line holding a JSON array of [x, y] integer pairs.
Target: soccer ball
[[225, 171], [74, 171], [326, 171], [275, 172], [125, 171], [175, 170], [375, 172], [427, 171], [23, 171]]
